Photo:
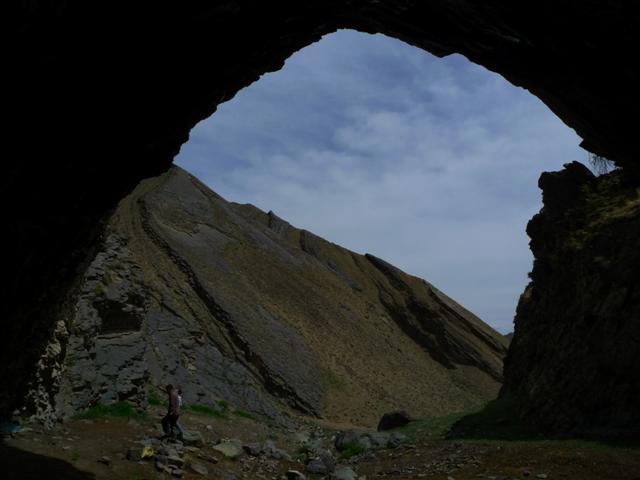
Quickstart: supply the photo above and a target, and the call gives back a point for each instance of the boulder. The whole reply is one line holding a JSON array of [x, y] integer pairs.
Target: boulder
[[392, 420], [321, 463], [300, 438], [199, 468], [270, 450], [252, 449], [367, 440], [371, 440], [208, 458], [317, 466], [344, 473], [229, 449], [175, 460], [396, 439], [193, 438]]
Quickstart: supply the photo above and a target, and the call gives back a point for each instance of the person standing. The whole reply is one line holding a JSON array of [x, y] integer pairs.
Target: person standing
[[177, 424], [173, 412]]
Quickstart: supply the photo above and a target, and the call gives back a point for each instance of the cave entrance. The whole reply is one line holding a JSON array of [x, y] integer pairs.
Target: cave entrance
[[152, 87], [427, 165], [430, 164]]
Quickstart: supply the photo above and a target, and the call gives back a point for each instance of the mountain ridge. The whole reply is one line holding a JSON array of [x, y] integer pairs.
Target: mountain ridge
[[235, 304]]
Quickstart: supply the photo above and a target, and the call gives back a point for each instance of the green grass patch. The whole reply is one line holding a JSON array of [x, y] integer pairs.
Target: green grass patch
[[434, 427], [154, 398], [221, 409], [120, 409], [352, 448], [206, 410], [430, 427], [75, 456], [499, 420], [242, 413]]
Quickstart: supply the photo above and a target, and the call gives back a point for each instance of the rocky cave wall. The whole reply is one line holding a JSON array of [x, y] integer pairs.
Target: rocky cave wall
[[573, 359], [102, 94]]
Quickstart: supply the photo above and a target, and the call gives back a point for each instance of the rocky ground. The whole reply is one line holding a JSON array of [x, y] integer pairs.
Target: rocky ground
[[237, 448]]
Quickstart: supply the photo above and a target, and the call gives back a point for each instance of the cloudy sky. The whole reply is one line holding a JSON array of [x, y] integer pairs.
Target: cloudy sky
[[431, 164]]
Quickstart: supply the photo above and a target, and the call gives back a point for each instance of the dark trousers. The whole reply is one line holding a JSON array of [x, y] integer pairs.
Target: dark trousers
[[169, 423]]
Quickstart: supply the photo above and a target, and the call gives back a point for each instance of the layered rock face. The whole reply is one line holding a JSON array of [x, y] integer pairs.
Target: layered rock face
[[573, 359], [233, 303]]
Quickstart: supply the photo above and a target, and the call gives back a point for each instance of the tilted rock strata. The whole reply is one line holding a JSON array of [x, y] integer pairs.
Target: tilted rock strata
[[236, 304]]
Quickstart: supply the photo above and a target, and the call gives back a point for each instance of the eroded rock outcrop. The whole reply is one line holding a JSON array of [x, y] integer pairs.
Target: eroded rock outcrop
[[233, 303], [572, 363]]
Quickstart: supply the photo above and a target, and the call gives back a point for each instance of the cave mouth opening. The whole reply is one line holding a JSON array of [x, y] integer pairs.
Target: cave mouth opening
[[568, 71], [430, 163]]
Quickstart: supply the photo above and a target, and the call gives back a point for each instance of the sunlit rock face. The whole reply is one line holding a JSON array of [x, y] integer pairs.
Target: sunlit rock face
[[573, 360], [101, 96], [235, 304]]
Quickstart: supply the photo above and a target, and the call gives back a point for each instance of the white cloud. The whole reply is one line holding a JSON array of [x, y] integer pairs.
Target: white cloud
[[431, 164]]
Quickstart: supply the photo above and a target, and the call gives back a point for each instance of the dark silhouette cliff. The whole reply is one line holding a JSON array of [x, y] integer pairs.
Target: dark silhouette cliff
[[572, 362]]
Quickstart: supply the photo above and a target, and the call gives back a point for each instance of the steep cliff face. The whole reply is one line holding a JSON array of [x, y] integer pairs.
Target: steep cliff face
[[573, 360], [233, 303]]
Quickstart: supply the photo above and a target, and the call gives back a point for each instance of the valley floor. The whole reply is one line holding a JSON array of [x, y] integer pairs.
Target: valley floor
[[76, 450]]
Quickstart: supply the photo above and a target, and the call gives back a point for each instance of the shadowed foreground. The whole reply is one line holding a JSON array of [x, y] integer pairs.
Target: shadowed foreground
[[19, 464]]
